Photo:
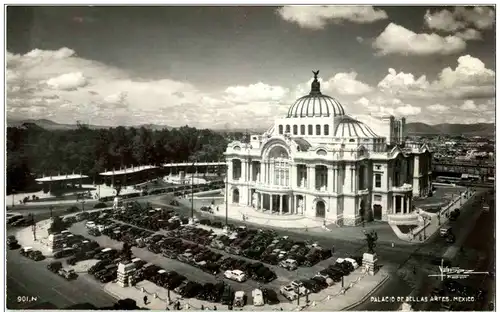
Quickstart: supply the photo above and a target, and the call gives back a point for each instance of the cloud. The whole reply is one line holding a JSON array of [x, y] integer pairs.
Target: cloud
[[469, 79], [469, 34], [259, 92], [470, 71], [443, 20], [397, 81], [317, 17], [396, 39], [470, 105], [480, 17], [68, 81], [346, 83], [439, 108]]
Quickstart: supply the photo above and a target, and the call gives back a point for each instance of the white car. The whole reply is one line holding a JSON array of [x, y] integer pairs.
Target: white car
[[354, 263], [257, 297], [300, 286], [289, 292], [235, 275], [90, 224]]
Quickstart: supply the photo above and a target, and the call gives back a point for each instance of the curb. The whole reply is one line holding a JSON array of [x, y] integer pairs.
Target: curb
[[380, 284]]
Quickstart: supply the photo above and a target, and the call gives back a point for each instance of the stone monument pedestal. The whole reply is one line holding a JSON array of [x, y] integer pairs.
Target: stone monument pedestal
[[124, 273], [370, 263], [55, 242]]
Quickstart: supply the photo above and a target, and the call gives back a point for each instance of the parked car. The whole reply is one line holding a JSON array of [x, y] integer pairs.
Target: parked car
[[240, 299], [270, 296], [54, 266], [257, 297], [289, 264], [289, 292], [25, 251], [235, 275]]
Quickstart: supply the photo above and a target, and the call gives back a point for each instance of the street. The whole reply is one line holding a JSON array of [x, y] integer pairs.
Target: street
[[435, 247], [30, 283]]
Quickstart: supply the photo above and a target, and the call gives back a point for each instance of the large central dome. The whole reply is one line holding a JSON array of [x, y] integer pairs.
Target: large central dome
[[315, 104]]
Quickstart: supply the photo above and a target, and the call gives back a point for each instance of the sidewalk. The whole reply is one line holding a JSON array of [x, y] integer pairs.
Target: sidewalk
[[434, 224], [358, 286]]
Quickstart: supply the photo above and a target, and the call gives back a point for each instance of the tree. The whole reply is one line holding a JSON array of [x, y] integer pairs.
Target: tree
[[57, 226], [126, 252]]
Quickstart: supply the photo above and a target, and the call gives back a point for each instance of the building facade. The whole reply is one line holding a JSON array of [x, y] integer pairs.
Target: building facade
[[319, 162]]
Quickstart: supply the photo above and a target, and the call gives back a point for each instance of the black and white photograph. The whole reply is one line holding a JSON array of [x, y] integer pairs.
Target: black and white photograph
[[250, 157]]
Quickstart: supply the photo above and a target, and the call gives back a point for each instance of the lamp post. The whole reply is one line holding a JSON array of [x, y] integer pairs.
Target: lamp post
[[227, 192], [192, 193]]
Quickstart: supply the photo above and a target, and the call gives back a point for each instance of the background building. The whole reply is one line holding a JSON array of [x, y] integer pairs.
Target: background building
[[321, 163]]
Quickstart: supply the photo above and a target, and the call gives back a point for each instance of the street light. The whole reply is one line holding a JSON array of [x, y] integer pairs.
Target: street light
[[192, 193], [227, 192]]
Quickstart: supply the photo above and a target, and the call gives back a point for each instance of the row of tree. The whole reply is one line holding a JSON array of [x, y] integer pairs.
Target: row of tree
[[33, 151]]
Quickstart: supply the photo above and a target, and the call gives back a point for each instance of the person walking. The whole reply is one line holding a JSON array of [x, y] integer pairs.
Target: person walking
[[145, 300]]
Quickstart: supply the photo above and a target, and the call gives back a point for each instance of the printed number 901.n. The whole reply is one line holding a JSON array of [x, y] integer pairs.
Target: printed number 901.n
[[26, 299]]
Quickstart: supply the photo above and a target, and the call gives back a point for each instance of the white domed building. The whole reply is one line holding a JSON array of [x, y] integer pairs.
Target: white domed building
[[321, 163]]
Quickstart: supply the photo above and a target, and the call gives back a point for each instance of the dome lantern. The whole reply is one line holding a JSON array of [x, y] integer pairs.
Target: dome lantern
[[315, 104]]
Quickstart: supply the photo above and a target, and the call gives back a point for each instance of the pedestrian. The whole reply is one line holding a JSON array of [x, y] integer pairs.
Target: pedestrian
[[202, 307], [414, 270], [145, 300], [215, 308], [392, 244]]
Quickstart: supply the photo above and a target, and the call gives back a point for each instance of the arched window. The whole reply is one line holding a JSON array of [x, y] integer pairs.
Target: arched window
[[302, 129], [318, 130], [326, 130], [294, 129], [287, 129], [310, 130], [280, 129]]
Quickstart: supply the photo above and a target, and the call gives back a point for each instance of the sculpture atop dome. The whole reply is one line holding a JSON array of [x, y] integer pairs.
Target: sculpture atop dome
[[315, 85]]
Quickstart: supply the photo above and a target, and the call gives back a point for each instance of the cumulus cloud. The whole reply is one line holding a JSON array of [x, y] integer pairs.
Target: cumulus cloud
[[469, 34], [346, 83], [316, 17], [259, 92], [480, 17], [396, 39], [470, 105], [406, 81], [470, 71], [439, 108], [68, 81]]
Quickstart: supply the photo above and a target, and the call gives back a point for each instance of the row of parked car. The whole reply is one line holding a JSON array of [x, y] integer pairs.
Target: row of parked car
[[32, 254], [185, 250], [57, 268], [323, 279], [218, 293]]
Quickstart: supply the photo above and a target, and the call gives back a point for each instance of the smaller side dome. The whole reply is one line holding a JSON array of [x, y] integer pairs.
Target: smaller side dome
[[349, 127]]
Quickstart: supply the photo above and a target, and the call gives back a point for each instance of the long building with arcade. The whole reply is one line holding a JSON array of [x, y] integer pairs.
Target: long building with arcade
[[319, 162]]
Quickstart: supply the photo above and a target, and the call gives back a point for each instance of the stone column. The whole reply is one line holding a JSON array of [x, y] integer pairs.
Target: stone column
[[244, 164], [290, 206], [271, 203], [335, 179], [229, 170], [281, 204], [312, 177], [393, 203], [329, 183], [261, 204], [262, 172]]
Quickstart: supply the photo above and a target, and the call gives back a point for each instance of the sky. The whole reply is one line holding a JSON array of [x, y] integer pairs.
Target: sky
[[244, 66]]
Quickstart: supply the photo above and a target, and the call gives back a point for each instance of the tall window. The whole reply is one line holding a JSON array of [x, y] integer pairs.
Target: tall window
[[280, 129], [378, 180], [326, 130], [310, 130], [287, 129], [318, 130], [294, 129], [302, 129]]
